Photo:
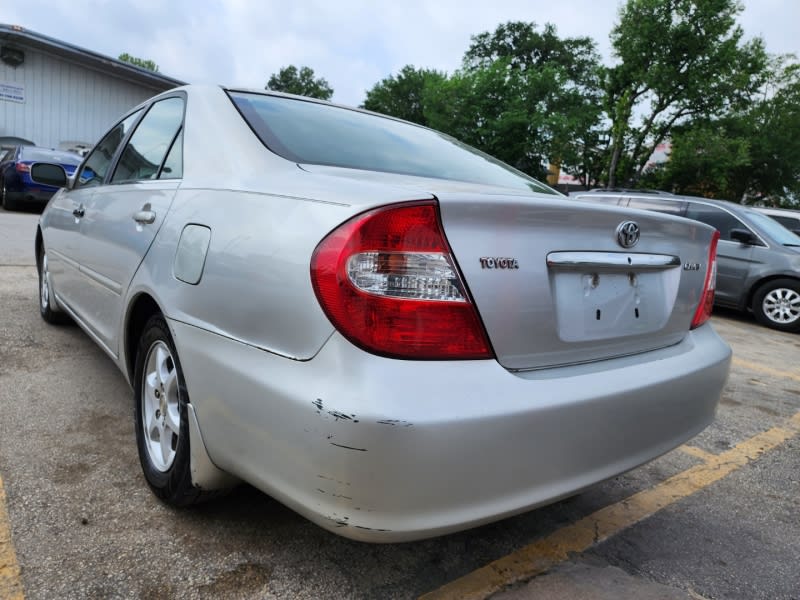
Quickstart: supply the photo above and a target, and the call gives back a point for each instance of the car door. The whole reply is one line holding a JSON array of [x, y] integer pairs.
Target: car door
[[66, 212], [122, 217], [734, 259]]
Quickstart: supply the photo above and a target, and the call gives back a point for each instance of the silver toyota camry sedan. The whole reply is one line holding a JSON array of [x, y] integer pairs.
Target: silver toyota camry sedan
[[392, 333]]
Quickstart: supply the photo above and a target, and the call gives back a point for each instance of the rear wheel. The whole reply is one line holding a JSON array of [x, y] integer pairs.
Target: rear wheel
[[47, 307], [162, 427], [8, 203], [776, 304]]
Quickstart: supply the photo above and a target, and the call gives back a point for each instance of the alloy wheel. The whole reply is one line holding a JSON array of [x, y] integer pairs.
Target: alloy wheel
[[44, 285], [782, 305], [160, 406]]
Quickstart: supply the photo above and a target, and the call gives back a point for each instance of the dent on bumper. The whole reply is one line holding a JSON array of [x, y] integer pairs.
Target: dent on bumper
[[388, 450]]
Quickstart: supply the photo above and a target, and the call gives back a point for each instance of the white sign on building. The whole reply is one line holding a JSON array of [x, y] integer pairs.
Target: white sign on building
[[12, 92]]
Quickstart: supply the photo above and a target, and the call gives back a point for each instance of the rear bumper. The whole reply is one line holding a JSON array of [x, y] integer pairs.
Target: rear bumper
[[387, 450], [30, 196]]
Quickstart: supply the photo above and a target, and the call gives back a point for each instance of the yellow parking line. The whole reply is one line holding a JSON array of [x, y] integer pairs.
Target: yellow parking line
[[696, 452], [599, 526], [753, 366], [10, 580]]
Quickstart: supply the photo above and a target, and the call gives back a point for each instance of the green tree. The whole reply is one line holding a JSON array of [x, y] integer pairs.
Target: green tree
[[301, 82], [527, 48], [703, 157], [751, 155], [402, 96], [486, 109], [139, 62], [525, 96], [679, 60]]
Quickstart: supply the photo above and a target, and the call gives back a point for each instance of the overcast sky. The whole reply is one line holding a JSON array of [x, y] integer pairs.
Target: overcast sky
[[353, 44]]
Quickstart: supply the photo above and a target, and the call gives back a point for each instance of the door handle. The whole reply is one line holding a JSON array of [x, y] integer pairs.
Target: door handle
[[79, 212], [145, 217]]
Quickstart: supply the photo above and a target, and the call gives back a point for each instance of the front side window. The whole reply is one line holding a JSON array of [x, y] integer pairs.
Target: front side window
[[717, 218], [775, 230], [144, 153], [96, 166]]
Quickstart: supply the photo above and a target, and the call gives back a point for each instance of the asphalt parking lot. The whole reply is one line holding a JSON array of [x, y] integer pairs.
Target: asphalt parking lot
[[717, 518]]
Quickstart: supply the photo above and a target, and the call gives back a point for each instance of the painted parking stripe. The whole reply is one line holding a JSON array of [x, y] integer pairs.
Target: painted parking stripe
[[10, 580], [696, 452], [542, 555], [753, 366]]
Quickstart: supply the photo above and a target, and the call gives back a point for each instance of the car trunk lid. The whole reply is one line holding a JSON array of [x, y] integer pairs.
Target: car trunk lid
[[554, 284]]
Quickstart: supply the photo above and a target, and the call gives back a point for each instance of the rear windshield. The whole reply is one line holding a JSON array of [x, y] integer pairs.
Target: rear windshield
[[45, 155], [312, 133]]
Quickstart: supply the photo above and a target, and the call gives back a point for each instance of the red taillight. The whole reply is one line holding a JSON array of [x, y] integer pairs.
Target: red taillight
[[22, 167], [703, 312], [388, 282]]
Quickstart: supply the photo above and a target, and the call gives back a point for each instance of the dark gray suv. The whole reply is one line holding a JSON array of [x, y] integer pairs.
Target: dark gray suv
[[758, 260]]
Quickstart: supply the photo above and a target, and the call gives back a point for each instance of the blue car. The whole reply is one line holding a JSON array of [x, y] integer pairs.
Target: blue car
[[17, 188]]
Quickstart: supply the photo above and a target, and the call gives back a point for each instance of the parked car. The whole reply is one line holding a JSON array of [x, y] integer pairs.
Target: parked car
[[758, 260], [16, 186], [392, 333], [786, 217], [8, 142]]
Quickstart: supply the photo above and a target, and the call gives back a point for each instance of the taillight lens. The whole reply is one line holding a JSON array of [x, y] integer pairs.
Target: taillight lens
[[22, 167], [703, 312], [388, 282]]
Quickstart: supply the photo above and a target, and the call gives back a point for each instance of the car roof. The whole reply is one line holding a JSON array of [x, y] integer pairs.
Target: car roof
[[777, 211], [658, 196], [750, 215]]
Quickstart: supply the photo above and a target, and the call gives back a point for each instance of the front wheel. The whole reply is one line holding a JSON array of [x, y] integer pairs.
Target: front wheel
[[776, 304], [162, 429]]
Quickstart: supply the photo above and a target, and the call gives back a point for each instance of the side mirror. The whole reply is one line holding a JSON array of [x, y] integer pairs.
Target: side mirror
[[49, 174], [744, 236]]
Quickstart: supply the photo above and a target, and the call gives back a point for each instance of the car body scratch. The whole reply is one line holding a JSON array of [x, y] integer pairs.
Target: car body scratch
[[348, 447]]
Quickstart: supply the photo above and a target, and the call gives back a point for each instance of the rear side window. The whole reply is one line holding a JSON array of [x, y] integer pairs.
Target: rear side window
[[50, 156], [669, 207], [149, 144], [96, 166], [716, 217], [173, 165], [312, 133], [788, 222]]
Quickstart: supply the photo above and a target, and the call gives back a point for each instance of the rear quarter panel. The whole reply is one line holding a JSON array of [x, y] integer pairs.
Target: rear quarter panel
[[255, 285]]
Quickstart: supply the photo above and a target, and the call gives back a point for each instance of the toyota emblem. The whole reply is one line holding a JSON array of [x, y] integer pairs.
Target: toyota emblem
[[628, 234]]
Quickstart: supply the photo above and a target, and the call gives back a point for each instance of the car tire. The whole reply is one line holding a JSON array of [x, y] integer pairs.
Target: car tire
[[776, 304], [47, 307], [8, 203], [162, 426]]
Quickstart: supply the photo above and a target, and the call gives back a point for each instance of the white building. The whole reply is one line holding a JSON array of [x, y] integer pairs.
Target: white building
[[61, 96]]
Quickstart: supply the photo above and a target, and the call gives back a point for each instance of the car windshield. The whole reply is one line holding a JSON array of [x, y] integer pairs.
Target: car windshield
[[45, 155], [774, 229], [313, 133]]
